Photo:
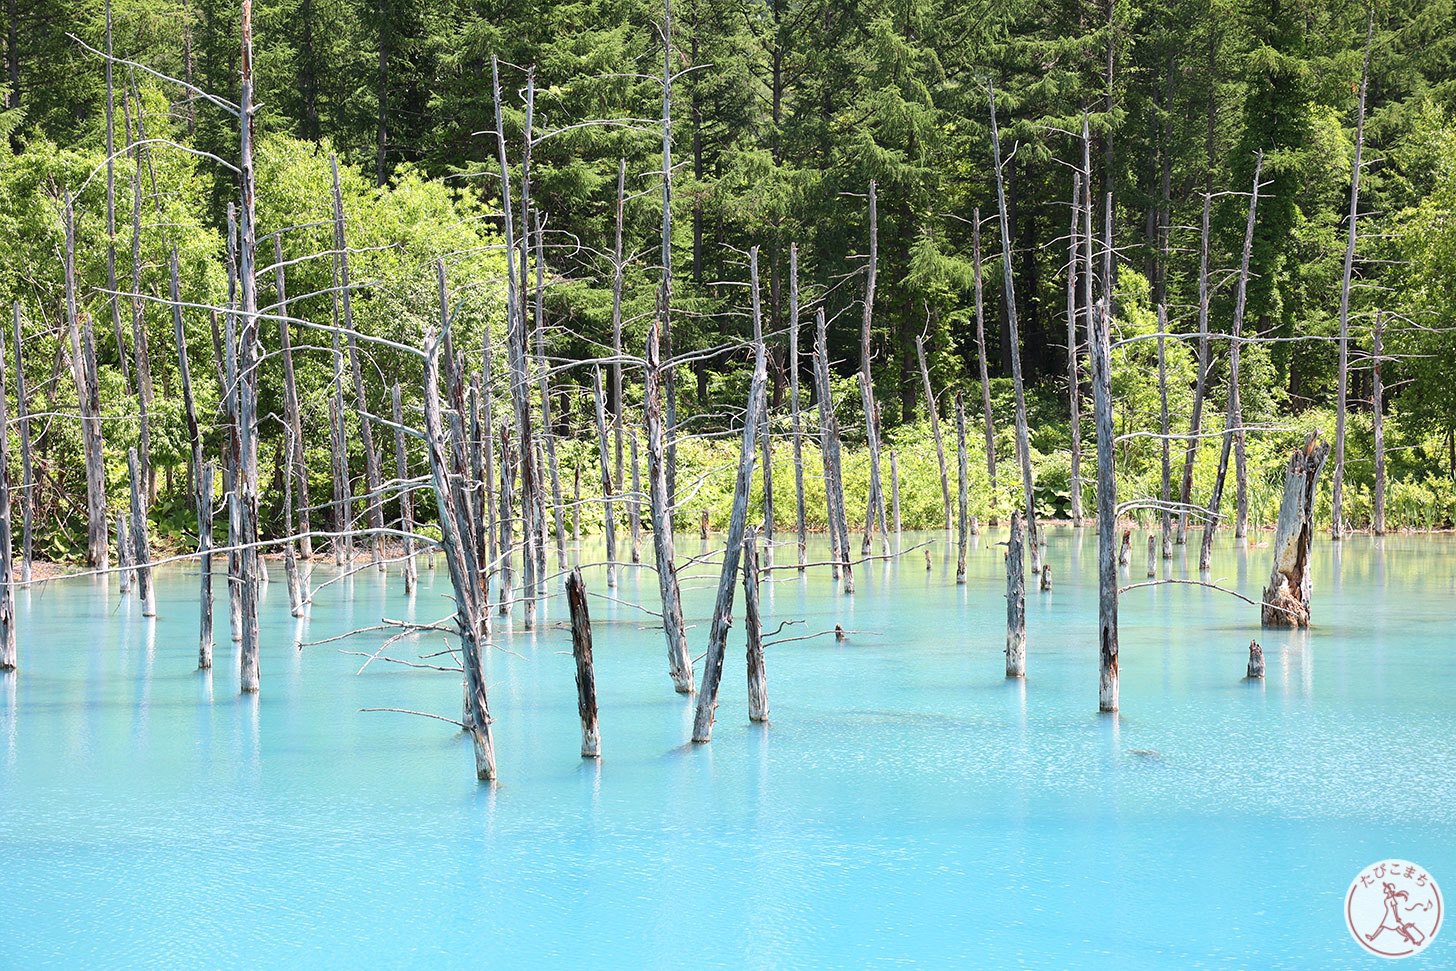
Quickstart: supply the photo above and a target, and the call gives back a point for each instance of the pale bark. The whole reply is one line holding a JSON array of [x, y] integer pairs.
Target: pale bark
[[609, 518], [83, 368], [930, 410], [1107, 580], [27, 472], [291, 412], [830, 453], [1377, 417], [753, 632], [1287, 597], [679, 661], [1074, 393], [406, 497], [7, 575], [139, 546], [1015, 601], [981, 357], [548, 435], [876, 500], [962, 495], [634, 507], [1200, 386], [794, 404], [1164, 441]]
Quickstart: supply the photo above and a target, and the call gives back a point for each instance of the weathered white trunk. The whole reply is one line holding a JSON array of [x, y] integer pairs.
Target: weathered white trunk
[[7, 576], [829, 450], [794, 405], [679, 661], [634, 507], [292, 414], [1200, 386], [1074, 393], [1287, 597], [27, 474], [1377, 418], [930, 411], [83, 368], [1015, 600], [990, 428], [406, 496], [609, 517], [140, 546]]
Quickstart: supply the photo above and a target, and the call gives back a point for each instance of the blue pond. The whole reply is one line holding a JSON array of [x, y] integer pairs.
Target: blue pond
[[907, 804]]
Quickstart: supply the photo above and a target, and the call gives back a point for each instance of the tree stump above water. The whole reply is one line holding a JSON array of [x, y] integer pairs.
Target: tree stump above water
[[1287, 598]]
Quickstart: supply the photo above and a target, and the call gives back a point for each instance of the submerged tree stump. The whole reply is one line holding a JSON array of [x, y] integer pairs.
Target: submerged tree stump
[[1256, 660], [1016, 600], [1124, 554], [1152, 555], [1046, 577], [1287, 598], [586, 678]]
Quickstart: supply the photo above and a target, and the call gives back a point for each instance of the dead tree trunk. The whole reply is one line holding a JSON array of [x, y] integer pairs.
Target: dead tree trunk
[[618, 271], [981, 357], [372, 478], [406, 496], [1287, 597], [507, 520], [1107, 580], [794, 402], [1015, 601], [829, 450], [1023, 442], [1074, 393], [895, 497], [667, 377], [1233, 416], [723, 608], [962, 495], [83, 367], [1163, 439], [202, 473], [1152, 556], [245, 478], [7, 575], [291, 412], [548, 435], [454, 533], [139, 341], [586, 678], [609, 518], [867, 382], [1377, 418], [930, 410], [753, 631], [1337, 529], [140, 546], [634, 507], [679, 661], [1200, 386], [27, 473], [124, 571], [290, 559]]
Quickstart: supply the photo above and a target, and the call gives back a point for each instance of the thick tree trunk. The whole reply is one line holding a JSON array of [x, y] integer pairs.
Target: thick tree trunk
[[1015, 601], [1337, 529], [1023, 442], [1107, 580], [140, 546], [753, 631], [1287, 597], [586, 678]]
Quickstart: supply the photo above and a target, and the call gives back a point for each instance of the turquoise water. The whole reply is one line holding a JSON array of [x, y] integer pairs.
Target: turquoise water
[[907, 805]]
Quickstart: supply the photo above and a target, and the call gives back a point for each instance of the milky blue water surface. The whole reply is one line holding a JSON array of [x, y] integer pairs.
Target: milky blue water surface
[[908, 805]]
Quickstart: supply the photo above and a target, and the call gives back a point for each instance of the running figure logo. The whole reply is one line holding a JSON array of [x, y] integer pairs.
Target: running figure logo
[[1393, 909]]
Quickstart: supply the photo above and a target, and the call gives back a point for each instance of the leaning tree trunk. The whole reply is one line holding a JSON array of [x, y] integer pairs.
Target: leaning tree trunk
[[1233, 415], [1023, 441], [1107, 689], [586, 678], [1015, 601], [1337, 528], [723, 608], [1287, 598], [930, 409]]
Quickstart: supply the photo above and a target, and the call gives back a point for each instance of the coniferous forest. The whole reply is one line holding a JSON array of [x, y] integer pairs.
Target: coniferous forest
[[850, 144]]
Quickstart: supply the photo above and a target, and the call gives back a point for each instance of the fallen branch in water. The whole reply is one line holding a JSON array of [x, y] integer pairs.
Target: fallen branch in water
[[422, 714]]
